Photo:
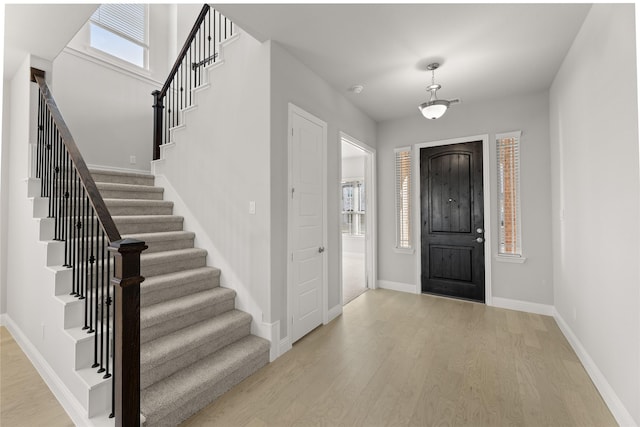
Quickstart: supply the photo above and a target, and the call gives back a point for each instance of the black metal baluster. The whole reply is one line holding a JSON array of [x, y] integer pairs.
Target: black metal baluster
[[74, 233], [85, 258], [113, 328], [56, 195], [103, 301], [39, 143], [91, 296], [67, 208]]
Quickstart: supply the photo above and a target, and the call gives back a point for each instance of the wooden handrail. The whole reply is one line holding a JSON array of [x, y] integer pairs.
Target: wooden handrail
[[184, 50], [95, 198]]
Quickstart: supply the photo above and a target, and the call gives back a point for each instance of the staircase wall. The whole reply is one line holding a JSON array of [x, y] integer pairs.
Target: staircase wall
[[218, 163], [32, 314]]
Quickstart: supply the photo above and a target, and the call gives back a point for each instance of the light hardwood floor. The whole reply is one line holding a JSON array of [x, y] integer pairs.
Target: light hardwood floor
[[25, 400], [415, 360], [394, 359]]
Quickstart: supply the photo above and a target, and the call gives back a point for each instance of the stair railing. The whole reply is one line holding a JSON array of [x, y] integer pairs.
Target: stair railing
[[99, 259], [200, 49]]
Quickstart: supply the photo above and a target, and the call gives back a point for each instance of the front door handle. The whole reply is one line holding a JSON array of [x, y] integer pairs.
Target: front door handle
[[479, 240], [321, 249]]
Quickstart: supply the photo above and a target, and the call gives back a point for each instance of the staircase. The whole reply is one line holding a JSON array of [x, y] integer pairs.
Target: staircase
[[194, 344]]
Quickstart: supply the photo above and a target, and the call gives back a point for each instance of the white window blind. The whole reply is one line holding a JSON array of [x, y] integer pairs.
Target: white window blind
[[403, 197], [509, 216], [120, 30], [126, 20]]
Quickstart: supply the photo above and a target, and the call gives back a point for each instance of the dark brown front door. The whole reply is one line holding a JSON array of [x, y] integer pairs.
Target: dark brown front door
[[452, 218]]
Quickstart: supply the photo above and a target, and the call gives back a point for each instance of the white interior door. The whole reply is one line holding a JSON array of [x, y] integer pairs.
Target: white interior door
[[306, 236]]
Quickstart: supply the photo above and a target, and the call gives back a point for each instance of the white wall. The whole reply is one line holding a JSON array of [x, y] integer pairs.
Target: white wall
[[107, 106], [531, 281], [219, 163], [292, 81], [596, 200], [4, 192]]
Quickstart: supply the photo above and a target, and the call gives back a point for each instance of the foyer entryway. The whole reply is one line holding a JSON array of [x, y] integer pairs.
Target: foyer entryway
[[356, 223]]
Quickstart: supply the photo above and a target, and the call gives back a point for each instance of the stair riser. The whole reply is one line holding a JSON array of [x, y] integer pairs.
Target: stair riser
[[174, 324], [152, 375], [167, 294], [172, 266], [193, 404], [123, 179], [148, 227], [140, 195]]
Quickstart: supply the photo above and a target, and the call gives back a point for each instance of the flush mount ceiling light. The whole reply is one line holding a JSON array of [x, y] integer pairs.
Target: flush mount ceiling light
[[435, 108]]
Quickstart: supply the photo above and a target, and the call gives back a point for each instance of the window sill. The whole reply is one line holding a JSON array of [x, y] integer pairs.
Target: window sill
[[511, 259], [406, 251]]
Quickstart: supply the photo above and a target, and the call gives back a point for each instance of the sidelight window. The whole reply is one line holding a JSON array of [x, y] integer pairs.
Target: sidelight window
[[403, 198], [120, 30], [510, 235]]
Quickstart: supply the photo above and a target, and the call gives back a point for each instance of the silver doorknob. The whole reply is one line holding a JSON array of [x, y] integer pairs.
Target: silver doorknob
[[479, 240], [321, 249], [479, 230]]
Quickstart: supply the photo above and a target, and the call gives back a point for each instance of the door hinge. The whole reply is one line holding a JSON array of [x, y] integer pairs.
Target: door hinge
[[293, 190], [291, 256], [291, 131]]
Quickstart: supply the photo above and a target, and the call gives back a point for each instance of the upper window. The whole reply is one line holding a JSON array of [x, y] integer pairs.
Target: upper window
[[121, 31], [403, 198], [508, 146]]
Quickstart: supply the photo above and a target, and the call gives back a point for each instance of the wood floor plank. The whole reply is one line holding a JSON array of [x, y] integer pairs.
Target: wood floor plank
[[25, 399]]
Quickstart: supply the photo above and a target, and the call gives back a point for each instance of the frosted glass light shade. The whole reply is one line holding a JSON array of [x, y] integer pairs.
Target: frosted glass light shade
[[434, 109]]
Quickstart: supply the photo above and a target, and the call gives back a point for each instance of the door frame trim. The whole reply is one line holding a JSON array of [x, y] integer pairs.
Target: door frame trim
[[371, 243], [292, 108], [487, 196]]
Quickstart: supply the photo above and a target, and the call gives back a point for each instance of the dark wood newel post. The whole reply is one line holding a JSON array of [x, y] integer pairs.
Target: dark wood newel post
[[126, 281], [157, 123]]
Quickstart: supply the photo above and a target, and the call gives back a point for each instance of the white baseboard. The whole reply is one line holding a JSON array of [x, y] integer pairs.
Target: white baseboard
[[284, 346], [518, 305], [333, 313], [398, 286], [617, 408], [72, 407], [270, 332]]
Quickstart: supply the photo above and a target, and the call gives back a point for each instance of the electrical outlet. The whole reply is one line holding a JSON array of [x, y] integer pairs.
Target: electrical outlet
[[132, 160], [252, 207], [43, 330]]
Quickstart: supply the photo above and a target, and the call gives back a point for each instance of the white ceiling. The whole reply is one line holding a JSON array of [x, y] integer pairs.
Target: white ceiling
[[42, 29], [486, 50]]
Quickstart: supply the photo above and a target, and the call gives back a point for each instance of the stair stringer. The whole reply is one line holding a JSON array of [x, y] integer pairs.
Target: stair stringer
[[168, 175], [56, 354]]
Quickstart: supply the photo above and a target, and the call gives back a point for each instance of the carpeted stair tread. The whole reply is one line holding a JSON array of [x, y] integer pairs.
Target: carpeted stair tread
[[157, 263], [102, 175], [164, 281], [128, 187], [161, 236], [184, 340], [170, 401], [178, 307], [162, 257], [135, 224], [164, 240], [120, 207], [164, 287]]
